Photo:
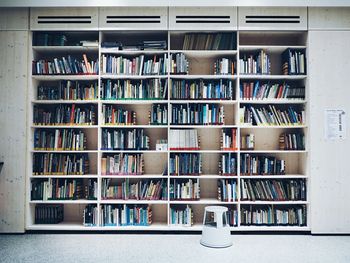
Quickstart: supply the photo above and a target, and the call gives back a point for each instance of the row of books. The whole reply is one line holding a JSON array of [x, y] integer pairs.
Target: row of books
[[179, 64], [227, 190], [248, 141], [63, 114], [144, 45], [262, 165], [159, 114], [273, 190], [134, 89], [228, 164], [225, 66], [141, 190], [274, 216], [126, 215], [125, 139], [261, 91], [185, 164], [209, 41], [294, 62], [49, 39], [292, 141], [184, 189], [59, 140], [181, 217], [202, 89], [90, 216], [60, 164], [63, 66], [229, 139], [63, 189], [122, 164], [271, 115], [140, 65], [184, 139], [258, 63], [68, 90], [115, 115], [48, 214], [197, 114]]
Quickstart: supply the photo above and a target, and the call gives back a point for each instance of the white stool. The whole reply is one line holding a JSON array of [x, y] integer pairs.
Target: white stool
[[216, 231]]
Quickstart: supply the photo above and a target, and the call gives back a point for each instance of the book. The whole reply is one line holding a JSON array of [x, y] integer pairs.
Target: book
[[181, 216], [179, 64], [185, 164], [227, 190], [122, 164], [209, 41], [228, 164], [116, 115], [184, 139], [125, 139], [225, 66], [292, 141], [248, 141], [158, 114], [253, 164], [49, 214], [90, 216], [184, 189], [256, 63], [294, 61]]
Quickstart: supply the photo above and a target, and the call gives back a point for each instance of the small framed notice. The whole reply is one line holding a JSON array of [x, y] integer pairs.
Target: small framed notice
[[335, 124]]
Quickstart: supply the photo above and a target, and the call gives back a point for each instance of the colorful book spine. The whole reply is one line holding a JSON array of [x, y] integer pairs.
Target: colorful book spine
[[258, 63], [185, 164], [252, 164], [182, 189], [181, 217], [229, 140], [115, 115], [158, 114], [123, 164], [292, 141], [225, 66], [90, 216], [197, 114], [227, 190], [149, 89], [60, 164], [179, 64], [125, 139], [202, 89], [126, 215], [228, 164]]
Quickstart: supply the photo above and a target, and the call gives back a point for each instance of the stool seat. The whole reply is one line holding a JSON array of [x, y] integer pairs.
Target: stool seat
[[216, 231]]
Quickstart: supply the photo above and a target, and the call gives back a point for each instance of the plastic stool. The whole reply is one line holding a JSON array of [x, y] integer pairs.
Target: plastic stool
[[216, 232]]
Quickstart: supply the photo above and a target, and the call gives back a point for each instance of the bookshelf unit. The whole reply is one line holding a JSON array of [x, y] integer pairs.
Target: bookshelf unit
[[151, 165]]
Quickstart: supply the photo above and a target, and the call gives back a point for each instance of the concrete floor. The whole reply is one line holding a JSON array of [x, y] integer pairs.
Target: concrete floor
[[171, 248]]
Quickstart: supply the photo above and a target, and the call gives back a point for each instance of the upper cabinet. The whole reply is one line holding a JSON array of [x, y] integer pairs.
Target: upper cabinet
[[272, 18], [133, 18], [203, 18], [64, 18]]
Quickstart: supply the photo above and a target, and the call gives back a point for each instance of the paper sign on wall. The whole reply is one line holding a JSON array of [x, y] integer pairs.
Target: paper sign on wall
[[335, 124]]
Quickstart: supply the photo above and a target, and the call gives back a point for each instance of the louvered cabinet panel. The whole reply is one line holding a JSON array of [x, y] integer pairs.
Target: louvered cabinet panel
[[203, 18], [133, 18], [272, 18], [64, 19]]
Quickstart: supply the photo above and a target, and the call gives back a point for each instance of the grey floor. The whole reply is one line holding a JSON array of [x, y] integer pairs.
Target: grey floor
[[171, 248]]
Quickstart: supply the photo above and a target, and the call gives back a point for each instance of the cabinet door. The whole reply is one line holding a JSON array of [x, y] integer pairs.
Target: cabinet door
[[13, 89], [329, 57]]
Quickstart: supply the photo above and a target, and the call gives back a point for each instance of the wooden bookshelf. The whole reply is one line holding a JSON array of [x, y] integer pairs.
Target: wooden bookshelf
[[201, 65]]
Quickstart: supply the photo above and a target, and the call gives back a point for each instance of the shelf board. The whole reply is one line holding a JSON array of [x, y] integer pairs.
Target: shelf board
[[65, 48], [287, 176], [272, 101], [115, 76], [111, 201], [64, 126], [61, 226], [203, 126], [273, 151], [205, 176], [135, 101], [53, 151], [203, 77], [134, 126], [273, 202], [278, 77], [154, 226], [204, 101], [268, 48], [64, 176], [243, 126], [144, 176], [132, 151], [63, 202], [65, 101], [271, 228], [201, 201], [65, 77], [202, 151], [205, 53], [132, 52]]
